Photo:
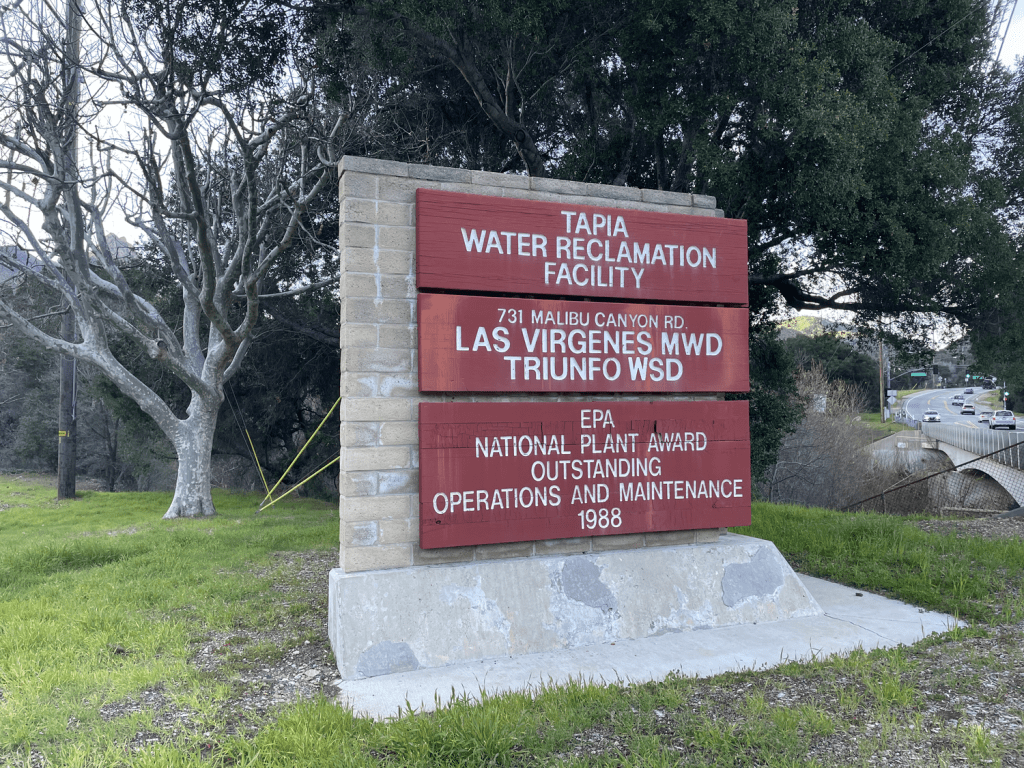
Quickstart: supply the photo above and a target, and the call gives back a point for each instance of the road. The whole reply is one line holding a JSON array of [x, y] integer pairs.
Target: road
[[941, 400]]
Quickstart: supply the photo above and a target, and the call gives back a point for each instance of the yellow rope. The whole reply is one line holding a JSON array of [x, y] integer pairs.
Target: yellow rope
[[289, 469], [303, 482], [256, 459]]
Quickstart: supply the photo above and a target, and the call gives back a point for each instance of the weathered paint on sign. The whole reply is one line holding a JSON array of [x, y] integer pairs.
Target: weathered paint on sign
[[504, 472], [487, 344], [480, 243]]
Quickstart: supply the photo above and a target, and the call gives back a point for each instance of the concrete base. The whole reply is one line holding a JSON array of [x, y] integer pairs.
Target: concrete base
[[852, 619], [388, 622]]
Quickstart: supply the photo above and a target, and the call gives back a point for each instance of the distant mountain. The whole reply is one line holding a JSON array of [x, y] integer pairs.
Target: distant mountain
[[119, 247], [13, 253]]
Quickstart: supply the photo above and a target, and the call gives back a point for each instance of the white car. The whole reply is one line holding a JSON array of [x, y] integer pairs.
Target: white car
[[984, 416], [931, 416], [1003, 419]]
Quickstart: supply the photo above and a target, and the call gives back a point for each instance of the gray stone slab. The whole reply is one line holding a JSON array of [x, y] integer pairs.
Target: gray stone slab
[[849, 620], [383, 622], [372, 165]]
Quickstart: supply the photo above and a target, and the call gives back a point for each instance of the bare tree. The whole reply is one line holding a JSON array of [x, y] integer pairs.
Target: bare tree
[[824, 462], [206, 157]]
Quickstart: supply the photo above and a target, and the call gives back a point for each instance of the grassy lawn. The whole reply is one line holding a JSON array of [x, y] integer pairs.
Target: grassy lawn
[[874, 420], [901, 393], [102, 602], [975, 579], [993, 400]]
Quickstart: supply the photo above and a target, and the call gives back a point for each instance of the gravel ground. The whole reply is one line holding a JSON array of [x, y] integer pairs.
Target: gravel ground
[[986, 527]]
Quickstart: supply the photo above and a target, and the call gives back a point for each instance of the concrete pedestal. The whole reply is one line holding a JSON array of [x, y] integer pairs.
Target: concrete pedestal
[[385, 622]]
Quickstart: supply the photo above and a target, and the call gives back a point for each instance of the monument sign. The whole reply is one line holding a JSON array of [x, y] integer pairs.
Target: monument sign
[[537, 450]]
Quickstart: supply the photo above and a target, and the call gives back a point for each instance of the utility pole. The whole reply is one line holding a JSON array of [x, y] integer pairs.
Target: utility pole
[[881, 386], [67, 426]]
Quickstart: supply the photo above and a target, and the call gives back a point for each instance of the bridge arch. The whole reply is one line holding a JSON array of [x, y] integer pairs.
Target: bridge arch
[[999, 455]]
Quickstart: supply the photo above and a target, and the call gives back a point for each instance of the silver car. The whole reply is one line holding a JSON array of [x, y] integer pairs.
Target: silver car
[[931, 416], [1003, 419]]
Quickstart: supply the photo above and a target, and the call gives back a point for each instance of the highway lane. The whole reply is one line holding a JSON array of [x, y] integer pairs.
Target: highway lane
[[941, 400]]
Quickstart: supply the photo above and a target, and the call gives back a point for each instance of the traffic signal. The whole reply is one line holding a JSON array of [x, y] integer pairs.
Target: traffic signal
[[935, 370]]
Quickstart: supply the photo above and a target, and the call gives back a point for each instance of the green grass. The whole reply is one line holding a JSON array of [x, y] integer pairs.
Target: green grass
[[975, 579], [901, 393], [874, 421], [100, 600]]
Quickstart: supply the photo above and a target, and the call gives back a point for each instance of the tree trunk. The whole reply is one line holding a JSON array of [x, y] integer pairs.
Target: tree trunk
[[194, 446]]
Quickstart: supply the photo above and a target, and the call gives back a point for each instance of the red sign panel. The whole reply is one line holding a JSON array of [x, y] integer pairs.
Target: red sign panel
[[484, 344], [503, 472], [479, 243]]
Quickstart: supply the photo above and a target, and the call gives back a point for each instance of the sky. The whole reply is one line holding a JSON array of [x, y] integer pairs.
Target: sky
[[1013, 45]]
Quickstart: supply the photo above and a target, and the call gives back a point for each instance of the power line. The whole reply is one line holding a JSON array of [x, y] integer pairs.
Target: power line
[[1006, 31], [947, 29]]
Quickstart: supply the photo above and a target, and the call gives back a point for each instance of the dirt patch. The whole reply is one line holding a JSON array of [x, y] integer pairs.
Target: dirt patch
[[991, 527], [951, 702], [265, 667]]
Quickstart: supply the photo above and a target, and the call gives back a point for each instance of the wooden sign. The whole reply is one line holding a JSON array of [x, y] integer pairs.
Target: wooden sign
[[501, 245], [505, 472], [485, 344]]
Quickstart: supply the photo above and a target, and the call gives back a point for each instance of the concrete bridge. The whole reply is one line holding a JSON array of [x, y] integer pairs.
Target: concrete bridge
[[996, 453]]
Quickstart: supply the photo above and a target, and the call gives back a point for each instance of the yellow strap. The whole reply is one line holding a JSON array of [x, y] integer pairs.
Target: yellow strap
[[301, 483], [257, 460], [289, 469]]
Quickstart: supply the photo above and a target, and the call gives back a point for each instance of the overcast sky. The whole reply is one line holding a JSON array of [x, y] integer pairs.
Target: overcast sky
[[1014, 43]]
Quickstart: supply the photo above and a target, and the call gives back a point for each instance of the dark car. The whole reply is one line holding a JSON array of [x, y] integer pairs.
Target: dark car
[[1003, 419]]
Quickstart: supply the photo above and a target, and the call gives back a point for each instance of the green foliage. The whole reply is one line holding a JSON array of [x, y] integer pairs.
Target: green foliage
[[873, 419], [29, 381], [237, 45], [284, 389], [844, 134]]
